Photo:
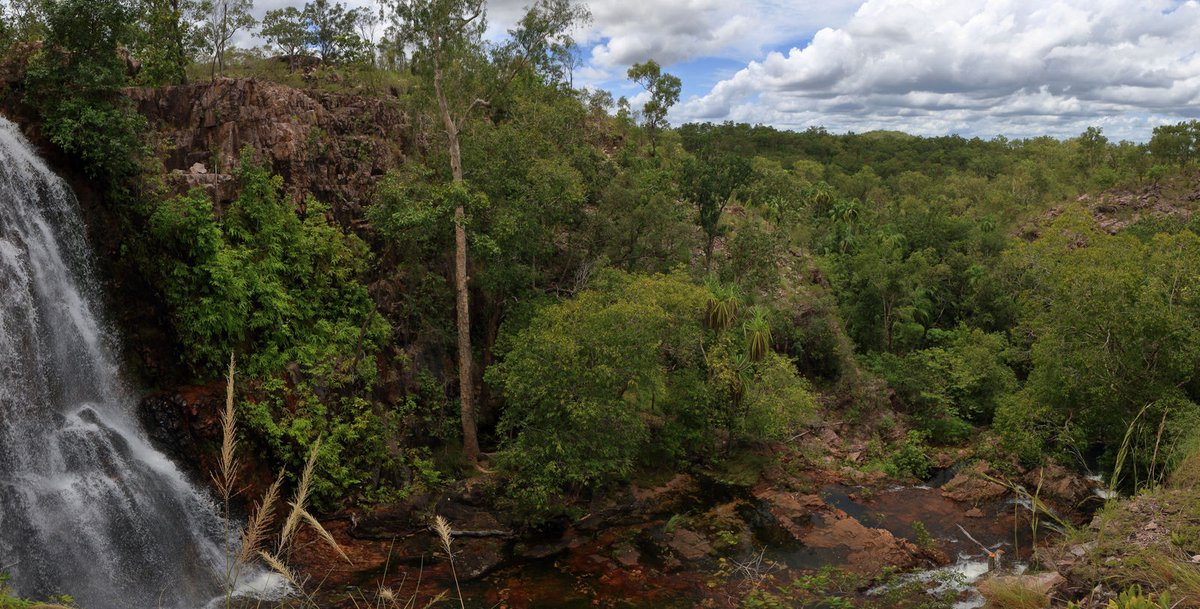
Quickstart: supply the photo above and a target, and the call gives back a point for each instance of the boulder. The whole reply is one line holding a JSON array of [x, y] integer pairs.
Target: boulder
[[689, 544], [1058, 484], [970, 485]]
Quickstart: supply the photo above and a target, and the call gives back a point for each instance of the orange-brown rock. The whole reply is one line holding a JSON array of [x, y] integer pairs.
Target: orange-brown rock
[[971, 485], [333, 146], [828, 530]]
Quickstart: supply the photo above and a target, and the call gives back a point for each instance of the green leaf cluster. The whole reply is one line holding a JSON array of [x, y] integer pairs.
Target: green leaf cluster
[[265, 281], [953, 384], [1115, 343], [75, 83], [625, 375]]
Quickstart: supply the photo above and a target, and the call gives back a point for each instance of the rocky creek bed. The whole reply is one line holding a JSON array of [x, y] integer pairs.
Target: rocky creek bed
[[694, 541]]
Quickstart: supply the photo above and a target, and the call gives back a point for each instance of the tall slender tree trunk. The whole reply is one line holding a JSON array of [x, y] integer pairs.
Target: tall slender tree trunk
[[708, 252], [463, 320], [177, 41]]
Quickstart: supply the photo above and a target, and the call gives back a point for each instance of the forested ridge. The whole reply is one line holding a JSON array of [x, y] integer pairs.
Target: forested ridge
[[553, 294]]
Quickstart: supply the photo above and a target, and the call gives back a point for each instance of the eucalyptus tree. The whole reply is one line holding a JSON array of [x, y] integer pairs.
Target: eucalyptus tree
[[220, 21], [167, 43], [332, 26], [664, 92], [443, 42], [711, 183], [286, 29]]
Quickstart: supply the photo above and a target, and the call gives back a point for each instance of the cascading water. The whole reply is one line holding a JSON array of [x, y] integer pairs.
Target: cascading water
[[87, 507]]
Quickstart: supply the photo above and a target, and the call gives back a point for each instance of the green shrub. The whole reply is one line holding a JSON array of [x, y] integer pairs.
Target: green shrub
[[960, 380], [266, 283], [1134, 598], [911, 457], [1115, 342], [625, 375], [281, 290], [360, 457], [75, 83]]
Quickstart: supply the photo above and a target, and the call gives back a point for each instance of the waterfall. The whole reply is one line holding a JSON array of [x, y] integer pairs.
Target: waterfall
[[87, 507]]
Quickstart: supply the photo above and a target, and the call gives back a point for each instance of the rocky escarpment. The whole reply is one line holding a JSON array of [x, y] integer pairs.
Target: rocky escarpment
[[332, 146]]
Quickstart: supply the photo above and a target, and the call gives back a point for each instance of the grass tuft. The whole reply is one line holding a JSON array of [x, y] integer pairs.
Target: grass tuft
[[1012, 593]]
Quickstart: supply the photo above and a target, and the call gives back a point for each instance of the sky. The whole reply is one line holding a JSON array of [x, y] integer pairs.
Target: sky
[[1018, 68]]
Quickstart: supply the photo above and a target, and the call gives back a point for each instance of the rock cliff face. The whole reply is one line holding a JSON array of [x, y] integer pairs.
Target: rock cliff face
[[332, 146]]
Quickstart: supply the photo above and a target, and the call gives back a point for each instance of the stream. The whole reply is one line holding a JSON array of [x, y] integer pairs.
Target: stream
[[707, 544]]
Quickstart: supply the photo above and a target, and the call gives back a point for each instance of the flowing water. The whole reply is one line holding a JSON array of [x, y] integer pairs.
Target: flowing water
[[87, 507]]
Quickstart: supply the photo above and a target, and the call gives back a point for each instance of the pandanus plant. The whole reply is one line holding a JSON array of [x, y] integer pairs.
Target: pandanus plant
[[758, 335], [723, 303], [743, 375]]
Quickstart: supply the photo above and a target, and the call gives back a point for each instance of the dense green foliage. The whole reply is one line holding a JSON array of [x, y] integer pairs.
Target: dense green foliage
[[75, 81], [954, 383], [265, 281], [640, 296], [625, 374], [284, 290], [1116, 340]]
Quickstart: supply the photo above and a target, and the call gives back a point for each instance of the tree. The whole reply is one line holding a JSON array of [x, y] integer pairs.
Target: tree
[[626, 375], [710, 184], [7, 28], [75, 83], [444, 40], [548, 47], [1115, 339], [286, 29], [368, 19], [664, 92], [333, 31], [167, 41], [1178, 143], [21, 20], [1093, 146], [220, 21]]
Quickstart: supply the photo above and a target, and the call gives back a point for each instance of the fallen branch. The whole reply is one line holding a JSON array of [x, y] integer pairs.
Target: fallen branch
[[981, 546]]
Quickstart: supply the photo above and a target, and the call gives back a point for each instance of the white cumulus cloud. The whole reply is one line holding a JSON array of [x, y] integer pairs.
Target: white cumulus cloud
[[1018, 67]]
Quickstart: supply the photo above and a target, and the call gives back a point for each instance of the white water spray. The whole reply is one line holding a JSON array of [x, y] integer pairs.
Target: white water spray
[[87, 507]]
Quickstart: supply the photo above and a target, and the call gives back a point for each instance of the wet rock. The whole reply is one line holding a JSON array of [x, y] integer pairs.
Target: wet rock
[[1058, 484], [666, 498], [474, 558], [970, 486], [689, 544], [186, 425], [834, 536], [545, 549], [627, 556]]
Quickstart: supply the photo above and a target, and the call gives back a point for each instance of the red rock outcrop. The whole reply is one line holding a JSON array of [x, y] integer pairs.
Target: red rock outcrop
[[333, 146]]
